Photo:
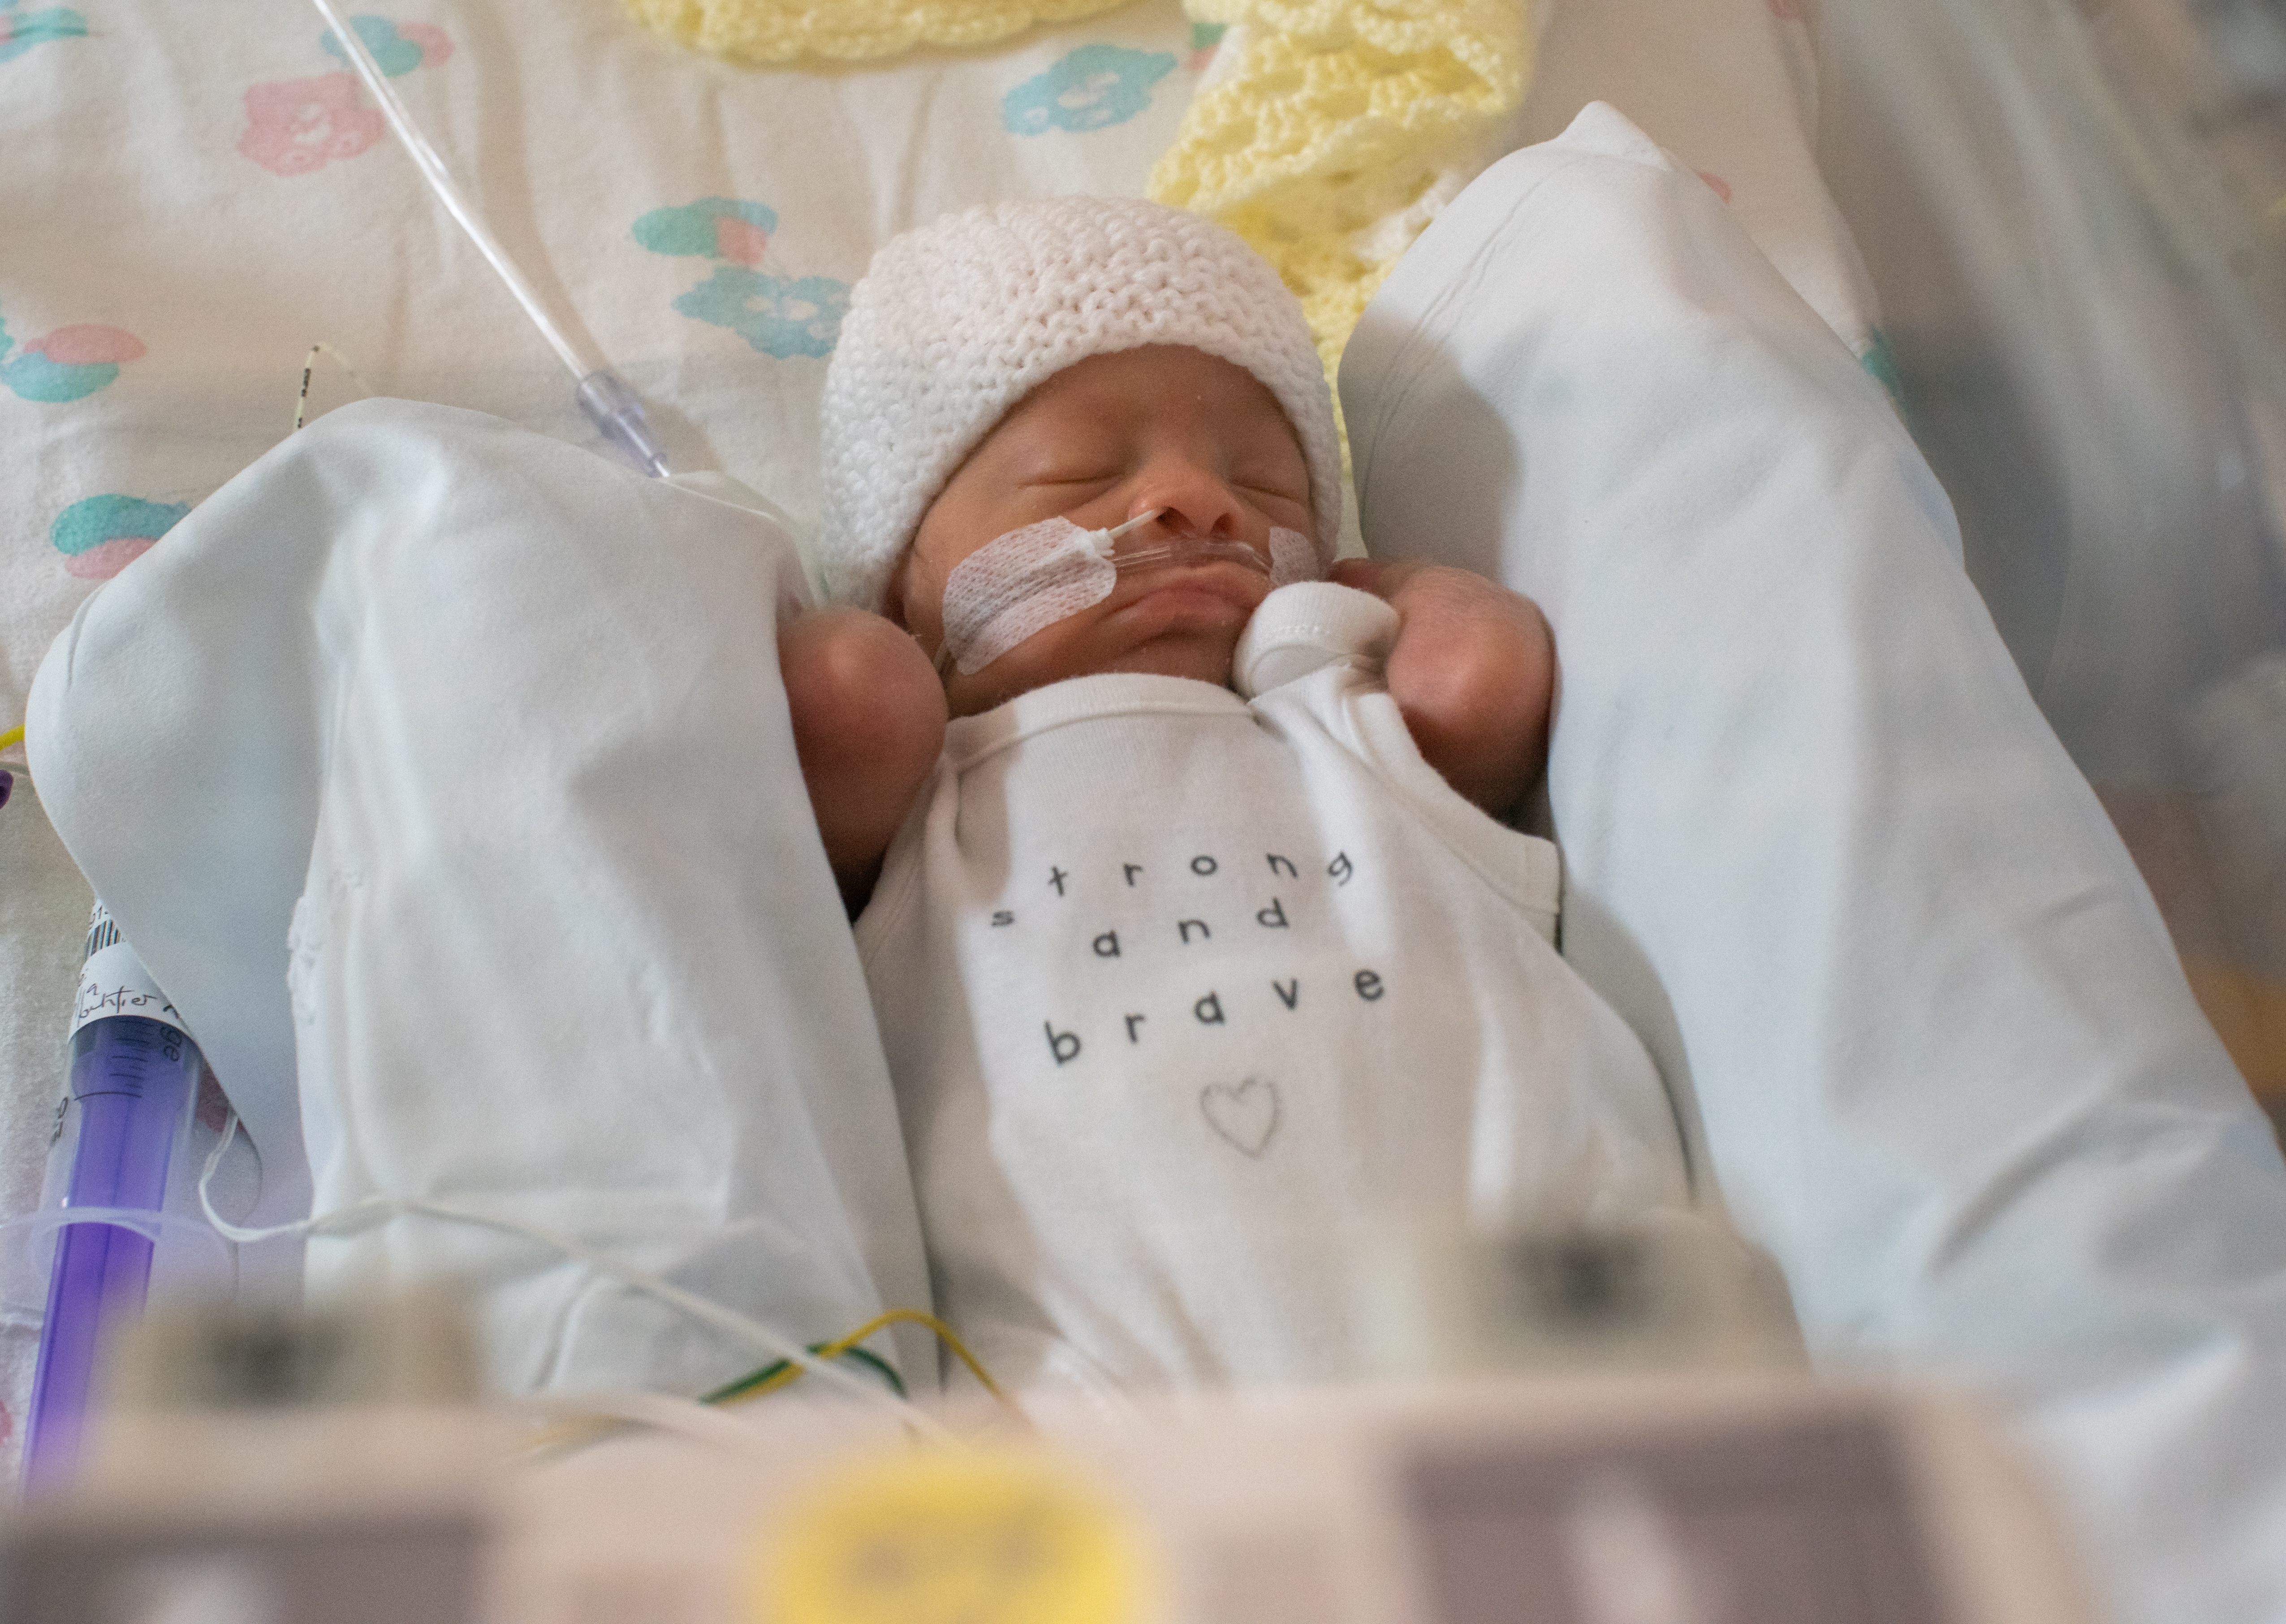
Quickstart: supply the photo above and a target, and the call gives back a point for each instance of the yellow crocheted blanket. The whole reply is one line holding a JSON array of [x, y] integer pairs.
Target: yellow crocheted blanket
[[1340, 130], [1329, 138], [767, 31]]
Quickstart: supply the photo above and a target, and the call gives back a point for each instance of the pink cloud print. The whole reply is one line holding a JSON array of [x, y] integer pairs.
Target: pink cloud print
[[298, 126]]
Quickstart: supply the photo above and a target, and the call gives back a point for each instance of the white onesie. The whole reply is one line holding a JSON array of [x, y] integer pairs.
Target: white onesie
[[1182, 995]]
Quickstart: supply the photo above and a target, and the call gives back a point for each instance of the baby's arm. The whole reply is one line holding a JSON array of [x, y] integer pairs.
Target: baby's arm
[[869, 720], [1473, 673]]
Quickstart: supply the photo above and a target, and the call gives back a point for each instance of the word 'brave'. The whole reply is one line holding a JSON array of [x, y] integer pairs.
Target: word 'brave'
[[1207, 1011]]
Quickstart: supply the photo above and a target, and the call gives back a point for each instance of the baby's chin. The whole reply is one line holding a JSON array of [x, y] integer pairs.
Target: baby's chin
[[1203, 657]]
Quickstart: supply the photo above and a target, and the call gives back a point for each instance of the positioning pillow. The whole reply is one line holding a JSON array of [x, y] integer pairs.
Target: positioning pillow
[[1824, 852], [441, 773]]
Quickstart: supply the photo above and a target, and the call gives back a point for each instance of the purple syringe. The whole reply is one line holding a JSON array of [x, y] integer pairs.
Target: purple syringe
[[134, 1076]]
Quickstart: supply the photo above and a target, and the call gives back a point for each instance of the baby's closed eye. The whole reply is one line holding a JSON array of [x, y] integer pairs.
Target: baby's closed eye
[[1062, 479]]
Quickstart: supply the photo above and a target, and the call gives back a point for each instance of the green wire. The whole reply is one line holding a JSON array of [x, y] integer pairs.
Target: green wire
[[747, 1384]]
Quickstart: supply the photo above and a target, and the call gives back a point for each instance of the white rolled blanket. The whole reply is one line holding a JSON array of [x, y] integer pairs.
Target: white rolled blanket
[[1824, 854], [497, 726]]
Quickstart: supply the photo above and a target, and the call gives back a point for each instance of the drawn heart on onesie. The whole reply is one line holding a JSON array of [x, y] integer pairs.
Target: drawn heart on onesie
[[1244, 1114]]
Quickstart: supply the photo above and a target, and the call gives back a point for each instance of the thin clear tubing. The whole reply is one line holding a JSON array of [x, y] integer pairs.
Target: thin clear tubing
[[614, 408], [131, 1079]]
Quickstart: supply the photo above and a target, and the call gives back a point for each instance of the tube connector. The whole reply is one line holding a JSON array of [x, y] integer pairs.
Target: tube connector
[[617, 412]]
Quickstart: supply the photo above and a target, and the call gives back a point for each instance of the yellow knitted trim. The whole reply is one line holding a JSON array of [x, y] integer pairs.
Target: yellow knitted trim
[[761, 31], [1337, 135]]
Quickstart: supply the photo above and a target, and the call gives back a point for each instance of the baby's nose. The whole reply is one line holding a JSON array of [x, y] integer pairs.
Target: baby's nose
[[1194, 500]]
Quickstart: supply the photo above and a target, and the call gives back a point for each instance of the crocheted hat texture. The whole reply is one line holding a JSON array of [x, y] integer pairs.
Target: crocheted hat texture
[[958, 321]]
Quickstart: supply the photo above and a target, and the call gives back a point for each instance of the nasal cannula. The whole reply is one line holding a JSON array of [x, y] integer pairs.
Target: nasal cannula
[[606, 399], [1019, 583]]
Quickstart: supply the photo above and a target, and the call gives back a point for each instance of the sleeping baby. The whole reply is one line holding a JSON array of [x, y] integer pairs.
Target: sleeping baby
[[1198, 950]]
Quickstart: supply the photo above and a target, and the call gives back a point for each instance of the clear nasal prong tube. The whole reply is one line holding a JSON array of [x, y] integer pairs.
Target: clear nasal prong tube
[[1039, 573], [1102, 542], [1177, 550], [1192, 549]]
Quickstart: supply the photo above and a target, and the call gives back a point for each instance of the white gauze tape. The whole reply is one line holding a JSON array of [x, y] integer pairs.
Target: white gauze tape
[[1016, 584], [1293, 557]]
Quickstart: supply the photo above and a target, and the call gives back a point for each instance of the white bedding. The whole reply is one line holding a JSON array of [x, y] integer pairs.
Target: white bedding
[[1943, 1060], [569, 956], [195, 199], [1824, 852], [389, 684]]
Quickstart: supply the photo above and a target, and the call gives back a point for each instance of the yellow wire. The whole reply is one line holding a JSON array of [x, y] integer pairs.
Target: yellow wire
[[572, 1432], [894, 1316], [831, 1350]]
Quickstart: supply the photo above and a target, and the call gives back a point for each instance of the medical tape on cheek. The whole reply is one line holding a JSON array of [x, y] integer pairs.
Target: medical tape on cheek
[[1293, 557], [1016, 585], [1020, 583]]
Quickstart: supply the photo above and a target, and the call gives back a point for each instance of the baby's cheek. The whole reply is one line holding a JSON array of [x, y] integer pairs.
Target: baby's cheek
[[1049, 654]]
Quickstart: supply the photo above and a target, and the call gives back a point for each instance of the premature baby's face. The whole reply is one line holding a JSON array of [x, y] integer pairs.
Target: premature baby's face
[[1104, 440]]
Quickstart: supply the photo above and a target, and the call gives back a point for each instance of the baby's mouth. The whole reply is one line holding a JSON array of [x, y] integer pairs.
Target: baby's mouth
[[1190, 568]]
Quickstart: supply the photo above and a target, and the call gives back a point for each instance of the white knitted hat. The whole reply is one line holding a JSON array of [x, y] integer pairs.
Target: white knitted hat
[[958, 321]]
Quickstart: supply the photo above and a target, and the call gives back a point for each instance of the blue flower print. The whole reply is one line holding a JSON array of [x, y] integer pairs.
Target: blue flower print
[[21, 30], [728, 228], [1094, 87], [395, 48], [777, 315]]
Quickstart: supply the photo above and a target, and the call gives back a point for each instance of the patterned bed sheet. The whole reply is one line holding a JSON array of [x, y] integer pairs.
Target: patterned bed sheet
[[201, 201]]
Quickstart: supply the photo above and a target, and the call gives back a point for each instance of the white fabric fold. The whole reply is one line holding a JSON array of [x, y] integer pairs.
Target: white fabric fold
[[497, 727], [1824, 852]]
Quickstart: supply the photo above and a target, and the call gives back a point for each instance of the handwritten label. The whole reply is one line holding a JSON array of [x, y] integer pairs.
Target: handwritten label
[[113, 981]]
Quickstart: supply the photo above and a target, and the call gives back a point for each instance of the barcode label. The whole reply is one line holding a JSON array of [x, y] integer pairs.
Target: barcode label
[[101, 934]]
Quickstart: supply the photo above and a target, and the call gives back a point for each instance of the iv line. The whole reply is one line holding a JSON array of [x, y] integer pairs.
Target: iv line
[[379, 1208], [602, 395]]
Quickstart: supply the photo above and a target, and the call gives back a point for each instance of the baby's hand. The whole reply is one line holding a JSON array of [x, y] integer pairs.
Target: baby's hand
[[869, 720], [1473, 673]]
